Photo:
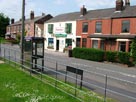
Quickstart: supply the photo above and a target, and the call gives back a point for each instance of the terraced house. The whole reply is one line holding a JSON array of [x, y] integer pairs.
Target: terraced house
[[108, 29], [33, 26], [60, 32]]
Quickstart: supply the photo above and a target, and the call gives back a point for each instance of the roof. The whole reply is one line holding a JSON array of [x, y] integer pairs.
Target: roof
[[36, 19], [65, 17], [128, 11]]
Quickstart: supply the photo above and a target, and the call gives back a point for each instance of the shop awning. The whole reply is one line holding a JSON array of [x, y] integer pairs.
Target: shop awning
[[129, 36]]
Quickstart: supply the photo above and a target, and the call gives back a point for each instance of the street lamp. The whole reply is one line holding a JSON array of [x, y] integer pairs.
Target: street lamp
[[23, 31]]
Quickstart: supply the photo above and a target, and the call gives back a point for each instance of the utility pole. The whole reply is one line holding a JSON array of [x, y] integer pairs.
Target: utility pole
[[23, 31]]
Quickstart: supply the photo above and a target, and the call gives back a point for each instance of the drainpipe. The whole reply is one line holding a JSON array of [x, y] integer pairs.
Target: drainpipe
[[111, 33]]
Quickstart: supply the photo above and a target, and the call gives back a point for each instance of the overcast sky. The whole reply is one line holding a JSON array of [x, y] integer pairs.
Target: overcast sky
[[12, 8]]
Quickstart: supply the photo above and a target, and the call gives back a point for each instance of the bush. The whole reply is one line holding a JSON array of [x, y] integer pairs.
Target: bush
[[124, 57], [88, 54], [111, 56], [133, 49]]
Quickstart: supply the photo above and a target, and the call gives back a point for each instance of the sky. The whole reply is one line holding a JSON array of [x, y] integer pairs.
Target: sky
[[13, 8]]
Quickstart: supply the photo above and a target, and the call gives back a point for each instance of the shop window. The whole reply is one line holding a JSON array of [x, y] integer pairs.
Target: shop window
[[122, 46], [98, 28], [50, 28], [68, 28], [84, 42], [95, 44], [50, 42], [125, 26], [69, 43], [85, 27]]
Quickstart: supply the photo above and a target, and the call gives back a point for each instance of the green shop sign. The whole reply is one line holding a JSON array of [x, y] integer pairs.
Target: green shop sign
[[61, 35]]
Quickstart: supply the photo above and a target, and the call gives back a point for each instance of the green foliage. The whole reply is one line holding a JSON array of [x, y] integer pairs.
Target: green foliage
[[111, 56], [12, 41], [89, 54], [18, 37], [133, 49], [4, 22], [124, 57]]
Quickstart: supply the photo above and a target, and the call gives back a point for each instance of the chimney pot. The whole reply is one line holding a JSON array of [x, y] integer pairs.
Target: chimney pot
[[43, 14], [32, 15], [119, 5], [83, 10], [12, 21], [127, 2]]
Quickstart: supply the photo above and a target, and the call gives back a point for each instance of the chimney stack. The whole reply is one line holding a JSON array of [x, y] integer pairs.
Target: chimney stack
[[43, 14], [32, 15], [119, 5], [12, 21], [127, 2], [83, 10]]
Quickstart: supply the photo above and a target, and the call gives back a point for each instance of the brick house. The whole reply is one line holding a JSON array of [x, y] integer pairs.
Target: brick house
[[33, 26], [108, 29]]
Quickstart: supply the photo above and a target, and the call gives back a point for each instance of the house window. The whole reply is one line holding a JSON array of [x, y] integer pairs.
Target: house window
[[85, 27], [50, 28], [78, 42], [102, 44], [68, 42], [122, 46], [68, 28], [95, 44], [125, 26], [98, 27], [84, 42], [50, 42]]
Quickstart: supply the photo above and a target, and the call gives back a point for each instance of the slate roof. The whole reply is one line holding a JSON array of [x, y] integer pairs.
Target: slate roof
[[29, 20], [129, 11], [65, 17]]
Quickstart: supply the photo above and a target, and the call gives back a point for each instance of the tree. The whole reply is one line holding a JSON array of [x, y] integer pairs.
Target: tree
[[4, 22], [133, 49]]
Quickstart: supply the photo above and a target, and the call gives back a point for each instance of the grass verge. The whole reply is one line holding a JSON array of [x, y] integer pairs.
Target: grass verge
[[17, 86]]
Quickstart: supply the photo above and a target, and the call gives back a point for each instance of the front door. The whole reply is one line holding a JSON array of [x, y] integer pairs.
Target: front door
[[57, 45]]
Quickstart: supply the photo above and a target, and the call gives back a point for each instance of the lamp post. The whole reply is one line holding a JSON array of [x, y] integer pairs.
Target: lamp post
[[23, 31]]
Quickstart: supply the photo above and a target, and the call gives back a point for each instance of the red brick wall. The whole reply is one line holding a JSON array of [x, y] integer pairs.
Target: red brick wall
[[117, 25], [29, 27]]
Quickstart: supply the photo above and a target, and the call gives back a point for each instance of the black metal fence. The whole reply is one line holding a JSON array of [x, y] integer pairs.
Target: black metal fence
[[71, 81]]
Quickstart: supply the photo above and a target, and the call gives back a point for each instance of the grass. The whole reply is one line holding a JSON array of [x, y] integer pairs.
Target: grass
[[17, 86], [85, 95], [2, 40]]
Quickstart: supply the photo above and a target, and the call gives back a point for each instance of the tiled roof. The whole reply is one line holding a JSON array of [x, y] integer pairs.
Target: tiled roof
[[129, 11], [29, 20]]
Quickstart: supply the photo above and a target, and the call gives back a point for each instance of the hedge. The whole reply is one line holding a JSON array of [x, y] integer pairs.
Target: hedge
[[124, 57], [99, 55], [88, 54], [110, 56]]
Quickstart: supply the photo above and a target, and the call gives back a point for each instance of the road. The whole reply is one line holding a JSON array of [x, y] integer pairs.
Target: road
[[121, 79]]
